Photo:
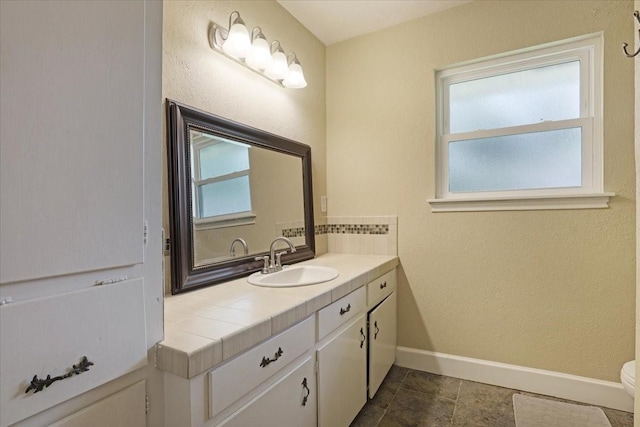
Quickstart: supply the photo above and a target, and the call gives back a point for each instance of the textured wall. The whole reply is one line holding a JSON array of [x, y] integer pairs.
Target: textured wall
[[545, 289], [192, 73]]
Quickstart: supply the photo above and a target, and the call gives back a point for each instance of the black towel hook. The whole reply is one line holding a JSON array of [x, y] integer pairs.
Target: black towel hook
[[624, 45]]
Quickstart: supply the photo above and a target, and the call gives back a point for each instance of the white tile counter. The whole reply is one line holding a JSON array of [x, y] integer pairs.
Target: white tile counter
[[205, 327]]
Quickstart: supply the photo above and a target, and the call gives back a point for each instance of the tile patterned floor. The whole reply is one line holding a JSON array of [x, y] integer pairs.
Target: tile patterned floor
[[414, 398]]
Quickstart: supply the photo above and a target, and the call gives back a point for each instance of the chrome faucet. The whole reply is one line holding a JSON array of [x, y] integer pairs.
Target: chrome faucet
[[245, 248], [272, 262]]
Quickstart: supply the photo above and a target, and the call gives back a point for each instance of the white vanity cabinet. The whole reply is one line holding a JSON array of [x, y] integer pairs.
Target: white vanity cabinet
[[382, 342], [342, 359], [318, 372], [342, 374], [291, 401]]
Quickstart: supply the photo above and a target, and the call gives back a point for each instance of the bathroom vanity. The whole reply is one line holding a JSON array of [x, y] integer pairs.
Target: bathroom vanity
[[301, 356]]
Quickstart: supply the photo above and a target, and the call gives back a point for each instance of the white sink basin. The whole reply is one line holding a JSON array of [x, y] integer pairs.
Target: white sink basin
[[290, 276]]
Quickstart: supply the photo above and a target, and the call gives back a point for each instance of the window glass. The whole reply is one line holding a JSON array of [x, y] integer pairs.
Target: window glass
[[524, 97], [551, 159], [225, 197], [223, 158]]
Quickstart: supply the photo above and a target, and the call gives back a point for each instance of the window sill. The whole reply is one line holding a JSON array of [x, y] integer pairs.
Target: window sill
[[224, 221], [522, 203]]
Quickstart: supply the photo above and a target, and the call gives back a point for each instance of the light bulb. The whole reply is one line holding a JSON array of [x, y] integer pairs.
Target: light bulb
[[260, 55], [238, 42], [295, 78], [278, 69]]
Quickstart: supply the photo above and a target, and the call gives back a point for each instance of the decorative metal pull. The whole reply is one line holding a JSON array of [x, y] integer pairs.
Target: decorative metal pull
[[375, 325], [624, 45], [38, 384], [306, 388], [364, 337], [266, 360], [383, 285], [345, 310]]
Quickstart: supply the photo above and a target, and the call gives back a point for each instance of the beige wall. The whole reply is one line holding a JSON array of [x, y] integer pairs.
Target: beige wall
[[545, 289], [193, 74]]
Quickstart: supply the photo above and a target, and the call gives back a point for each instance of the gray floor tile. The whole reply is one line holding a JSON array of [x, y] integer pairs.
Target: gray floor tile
[[413, 398], [389, 387], [369, 416], [438, 385], [412, 408], [482, 405], [619, 418]]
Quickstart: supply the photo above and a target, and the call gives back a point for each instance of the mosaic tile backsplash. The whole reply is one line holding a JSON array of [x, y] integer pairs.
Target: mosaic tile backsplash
[[355, 235], [339, 229]]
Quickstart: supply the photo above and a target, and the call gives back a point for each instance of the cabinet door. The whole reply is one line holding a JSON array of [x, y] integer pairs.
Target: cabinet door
[[71, 158], [342, 379], [290, 402], [382, 341]]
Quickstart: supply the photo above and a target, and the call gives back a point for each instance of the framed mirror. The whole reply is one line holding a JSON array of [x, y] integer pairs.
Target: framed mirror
[[232, 190]]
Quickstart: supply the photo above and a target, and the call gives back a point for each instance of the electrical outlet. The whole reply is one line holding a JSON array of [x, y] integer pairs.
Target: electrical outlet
[[323, 204]]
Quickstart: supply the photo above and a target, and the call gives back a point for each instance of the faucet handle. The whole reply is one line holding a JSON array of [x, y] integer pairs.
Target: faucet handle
[[278, 260], [265, 266]]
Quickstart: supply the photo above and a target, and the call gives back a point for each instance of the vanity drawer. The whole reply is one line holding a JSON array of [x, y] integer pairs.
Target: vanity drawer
[[239, 376], [334, 315], [381, 287]]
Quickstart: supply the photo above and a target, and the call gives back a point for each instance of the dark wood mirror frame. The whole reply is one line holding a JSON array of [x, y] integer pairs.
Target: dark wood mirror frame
[[184, 276]]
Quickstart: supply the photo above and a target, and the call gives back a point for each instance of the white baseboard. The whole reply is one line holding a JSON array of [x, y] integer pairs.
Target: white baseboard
[[572, 387]]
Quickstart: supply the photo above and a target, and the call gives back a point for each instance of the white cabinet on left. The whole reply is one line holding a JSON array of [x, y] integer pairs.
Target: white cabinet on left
[[80, 214]]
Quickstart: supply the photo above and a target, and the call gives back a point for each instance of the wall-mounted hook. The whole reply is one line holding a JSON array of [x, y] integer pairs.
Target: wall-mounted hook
[[624, 45]]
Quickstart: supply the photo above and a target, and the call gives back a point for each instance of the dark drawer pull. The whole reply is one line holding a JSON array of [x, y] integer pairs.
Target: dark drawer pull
[[38, 384], [375, 325], [383, 285], [345, 310], [364, 337], [266, 360], [306, 389]]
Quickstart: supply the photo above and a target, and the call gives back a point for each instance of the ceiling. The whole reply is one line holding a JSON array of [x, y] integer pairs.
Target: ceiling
[[333, 21]]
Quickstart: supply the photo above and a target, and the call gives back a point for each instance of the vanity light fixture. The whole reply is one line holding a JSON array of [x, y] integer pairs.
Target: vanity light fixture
[[254, 52]]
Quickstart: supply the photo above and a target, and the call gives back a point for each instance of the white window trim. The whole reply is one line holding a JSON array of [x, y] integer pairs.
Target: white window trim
[[218, 221], [591, 194]]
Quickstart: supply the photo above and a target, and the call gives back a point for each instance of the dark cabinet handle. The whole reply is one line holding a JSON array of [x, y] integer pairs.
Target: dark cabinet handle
[[383, 285], [363, 336], [305, 389], [266, 360], [38, 384], [375, 325], [345, 310]]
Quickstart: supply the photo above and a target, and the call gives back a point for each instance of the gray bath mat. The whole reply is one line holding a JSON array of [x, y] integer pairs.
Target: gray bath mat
[[534, 412]]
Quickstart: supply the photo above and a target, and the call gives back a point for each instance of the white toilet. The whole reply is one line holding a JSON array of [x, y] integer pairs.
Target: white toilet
[[628, 377]]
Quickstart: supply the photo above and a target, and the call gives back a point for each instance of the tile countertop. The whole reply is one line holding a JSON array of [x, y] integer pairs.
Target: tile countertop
[[205, 327]]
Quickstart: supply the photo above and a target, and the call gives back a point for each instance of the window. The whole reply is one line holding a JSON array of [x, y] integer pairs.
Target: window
[[220, 181], [522, 131]]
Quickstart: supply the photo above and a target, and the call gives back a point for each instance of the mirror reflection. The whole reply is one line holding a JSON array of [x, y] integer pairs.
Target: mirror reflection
[[238, 211], [233, 190]]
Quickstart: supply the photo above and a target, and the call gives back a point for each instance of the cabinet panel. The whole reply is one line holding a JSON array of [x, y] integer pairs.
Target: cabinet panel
[[334, 315], [125, 408], [342, 379], [71, 158], [291, 402], [381, 287], [239, 376], [47, 336], [382, 341]]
